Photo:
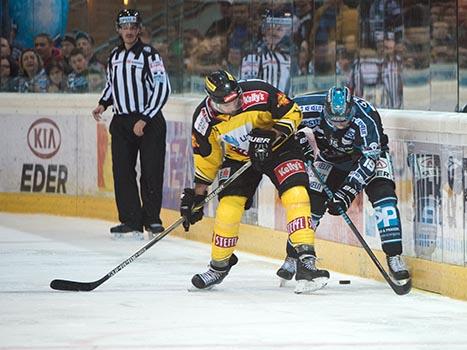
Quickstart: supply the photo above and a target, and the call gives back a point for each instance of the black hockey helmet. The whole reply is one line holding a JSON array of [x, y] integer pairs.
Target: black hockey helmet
[[128, 16], [224, 91], [281, 16], [222, 87], [338, 105]]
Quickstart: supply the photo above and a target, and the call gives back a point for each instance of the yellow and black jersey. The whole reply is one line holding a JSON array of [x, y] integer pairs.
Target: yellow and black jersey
[[217, 135]]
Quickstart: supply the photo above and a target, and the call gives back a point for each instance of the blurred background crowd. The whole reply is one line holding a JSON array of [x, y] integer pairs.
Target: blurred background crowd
[[408, 54]]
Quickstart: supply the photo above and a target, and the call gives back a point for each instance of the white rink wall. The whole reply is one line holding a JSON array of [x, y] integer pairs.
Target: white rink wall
[[52, 146]]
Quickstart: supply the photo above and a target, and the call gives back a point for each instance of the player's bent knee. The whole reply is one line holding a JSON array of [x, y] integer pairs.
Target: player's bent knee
[[380, 189]]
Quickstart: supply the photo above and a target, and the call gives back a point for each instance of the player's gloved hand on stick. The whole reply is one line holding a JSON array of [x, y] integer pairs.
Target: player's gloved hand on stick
[[343, 198], [260, 148], [188, 201], [307, 149]]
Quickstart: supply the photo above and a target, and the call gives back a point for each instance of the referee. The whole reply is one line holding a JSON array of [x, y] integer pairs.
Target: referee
[[137, 87]]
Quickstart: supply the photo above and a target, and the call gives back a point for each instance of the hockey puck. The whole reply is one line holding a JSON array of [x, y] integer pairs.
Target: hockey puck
[[344, 281]]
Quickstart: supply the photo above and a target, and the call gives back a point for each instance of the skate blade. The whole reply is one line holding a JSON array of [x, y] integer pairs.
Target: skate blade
[[402, 282], [282, 282], [307, 287], [193, 289], [130, 236]]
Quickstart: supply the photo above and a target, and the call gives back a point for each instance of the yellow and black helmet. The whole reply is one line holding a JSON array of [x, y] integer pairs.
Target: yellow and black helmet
[[222, 87]]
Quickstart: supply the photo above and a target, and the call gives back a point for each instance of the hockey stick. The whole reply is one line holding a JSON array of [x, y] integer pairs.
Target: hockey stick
[[59, 284], [399, 289]]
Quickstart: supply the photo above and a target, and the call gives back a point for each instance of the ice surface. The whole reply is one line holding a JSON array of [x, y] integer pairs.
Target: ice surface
[[147, 305]]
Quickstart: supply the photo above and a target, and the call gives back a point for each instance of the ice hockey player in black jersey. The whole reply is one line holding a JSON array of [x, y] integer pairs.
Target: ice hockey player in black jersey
[[353, 156], [249, 120]]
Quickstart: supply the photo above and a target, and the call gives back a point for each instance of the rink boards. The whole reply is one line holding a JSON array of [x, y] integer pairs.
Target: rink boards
[[56, 159]]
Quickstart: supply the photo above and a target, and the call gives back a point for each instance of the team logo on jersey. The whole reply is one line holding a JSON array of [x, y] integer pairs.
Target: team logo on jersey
[[300, 223], [362, 127], [254, 97], [202, 122], [311, 122], [225, 242], [238, 137], [224, 174], [311, 108], [288, 168], [230, 140], [282, 100], [381, 163], [373, 150], [350, 134]]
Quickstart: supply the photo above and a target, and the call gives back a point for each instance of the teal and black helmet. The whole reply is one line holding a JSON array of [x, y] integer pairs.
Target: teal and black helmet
[[338, 106]]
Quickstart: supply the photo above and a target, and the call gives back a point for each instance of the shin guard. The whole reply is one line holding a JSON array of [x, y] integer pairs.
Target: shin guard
[[297, 206], [225, 236]]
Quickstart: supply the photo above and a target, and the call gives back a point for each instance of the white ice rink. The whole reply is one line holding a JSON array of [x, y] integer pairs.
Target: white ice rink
[[147, 305]]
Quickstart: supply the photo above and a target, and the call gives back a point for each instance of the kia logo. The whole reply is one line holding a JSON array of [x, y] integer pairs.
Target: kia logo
[[44, 138]]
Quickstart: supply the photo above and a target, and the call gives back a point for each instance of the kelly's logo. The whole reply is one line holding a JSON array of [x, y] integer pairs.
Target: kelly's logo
[[286, 169], [44, 138], [254, 97]]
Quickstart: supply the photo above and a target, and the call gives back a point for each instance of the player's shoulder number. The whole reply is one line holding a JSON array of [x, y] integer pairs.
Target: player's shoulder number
[[364, 104]]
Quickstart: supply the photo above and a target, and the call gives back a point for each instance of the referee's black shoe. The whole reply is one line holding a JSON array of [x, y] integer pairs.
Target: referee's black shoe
[[120, 232], [154, 229]]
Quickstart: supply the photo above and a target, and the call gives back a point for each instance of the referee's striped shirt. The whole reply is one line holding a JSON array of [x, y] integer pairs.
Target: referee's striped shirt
[[137, 82], [270, 66]]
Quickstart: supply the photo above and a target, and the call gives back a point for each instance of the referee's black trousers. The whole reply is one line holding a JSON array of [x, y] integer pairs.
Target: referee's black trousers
[[133, 210]]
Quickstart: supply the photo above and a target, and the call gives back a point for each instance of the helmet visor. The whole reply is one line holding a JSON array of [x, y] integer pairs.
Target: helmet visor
[[231, 107]]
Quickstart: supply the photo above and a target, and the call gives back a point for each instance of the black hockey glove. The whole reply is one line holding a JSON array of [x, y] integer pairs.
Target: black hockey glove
[[260, 148], [343, 198], [305, 146], [188, 201]]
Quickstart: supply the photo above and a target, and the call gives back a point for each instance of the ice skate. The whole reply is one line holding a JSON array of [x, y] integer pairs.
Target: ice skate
[[123, 232], [287, 270], [154, 229], [397, 268], [309, 278], [215, 275]]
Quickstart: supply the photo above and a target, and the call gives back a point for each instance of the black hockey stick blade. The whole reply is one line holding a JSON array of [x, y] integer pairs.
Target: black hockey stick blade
[[75, 286], [399, 289]]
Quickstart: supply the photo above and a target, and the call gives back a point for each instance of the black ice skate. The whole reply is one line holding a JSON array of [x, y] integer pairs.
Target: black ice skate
[[287, 270], [309, 278], [397, 268], [125, 232], [154, 229], [214, 275]]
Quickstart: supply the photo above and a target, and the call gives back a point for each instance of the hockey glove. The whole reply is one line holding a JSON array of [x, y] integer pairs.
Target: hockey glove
[[305, 146], [188, 201], [343, 198], [260, 147]]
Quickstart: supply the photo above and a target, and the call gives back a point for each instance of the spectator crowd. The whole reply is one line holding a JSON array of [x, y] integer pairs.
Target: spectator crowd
[[297, 46], [68, 64]]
